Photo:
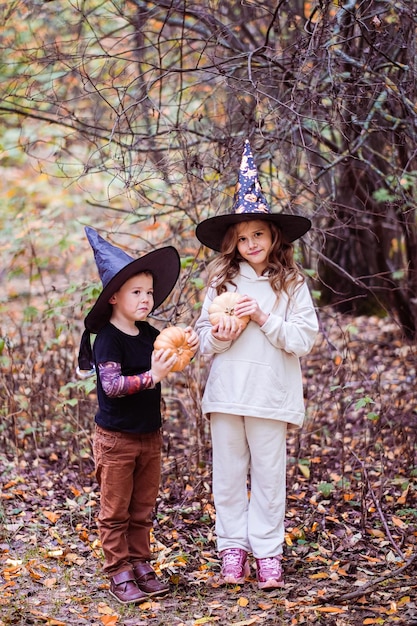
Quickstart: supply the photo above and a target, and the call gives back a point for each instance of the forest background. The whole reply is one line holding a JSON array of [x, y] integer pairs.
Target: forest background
[[131, 117]]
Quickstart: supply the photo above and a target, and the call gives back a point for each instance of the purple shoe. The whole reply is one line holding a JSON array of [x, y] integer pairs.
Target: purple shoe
[[269, 573], [235, 566]]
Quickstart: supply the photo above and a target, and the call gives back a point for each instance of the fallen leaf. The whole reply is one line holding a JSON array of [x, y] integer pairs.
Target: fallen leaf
[[51, 516], [50, 621], [109, 620], [304, 469], [328, 609], [398, 522], [265, 606]]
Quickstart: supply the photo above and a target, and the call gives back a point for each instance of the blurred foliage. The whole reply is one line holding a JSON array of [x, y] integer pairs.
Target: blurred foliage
[[130, 117]]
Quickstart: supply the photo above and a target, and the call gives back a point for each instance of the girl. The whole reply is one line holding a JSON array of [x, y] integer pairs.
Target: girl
[[254, 388]]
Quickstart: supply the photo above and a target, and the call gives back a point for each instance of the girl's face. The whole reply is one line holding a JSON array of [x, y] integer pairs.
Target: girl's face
[[254, 241], [134, 300]]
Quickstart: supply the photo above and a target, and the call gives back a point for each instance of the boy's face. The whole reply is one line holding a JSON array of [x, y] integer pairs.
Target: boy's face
[[134, 300]]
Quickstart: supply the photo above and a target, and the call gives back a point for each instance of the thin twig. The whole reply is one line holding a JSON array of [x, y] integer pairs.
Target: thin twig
[[379, 509], [367, 587]]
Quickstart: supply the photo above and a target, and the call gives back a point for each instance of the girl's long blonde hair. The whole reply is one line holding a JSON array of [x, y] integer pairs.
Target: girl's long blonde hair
[[282, 270]]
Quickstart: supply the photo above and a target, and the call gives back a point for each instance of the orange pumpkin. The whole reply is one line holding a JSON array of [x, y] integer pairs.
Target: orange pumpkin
[[224, 305], [175, 339]]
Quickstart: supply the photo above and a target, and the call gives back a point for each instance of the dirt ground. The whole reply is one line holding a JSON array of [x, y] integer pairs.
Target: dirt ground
[[351, 515]]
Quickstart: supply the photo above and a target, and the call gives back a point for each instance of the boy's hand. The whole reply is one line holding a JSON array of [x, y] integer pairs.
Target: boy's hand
[[161, 363], [192, 338]]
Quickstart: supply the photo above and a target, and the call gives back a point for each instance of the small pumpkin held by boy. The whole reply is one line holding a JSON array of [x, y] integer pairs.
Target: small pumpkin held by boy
[[127, 439], [256, 321]]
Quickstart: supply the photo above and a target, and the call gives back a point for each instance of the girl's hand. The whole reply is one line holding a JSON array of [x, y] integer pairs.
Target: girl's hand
[[192, 338], [227, 329], [249, 306], [161, 363]]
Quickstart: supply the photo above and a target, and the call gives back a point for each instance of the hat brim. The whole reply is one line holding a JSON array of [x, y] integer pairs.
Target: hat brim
[[164, 264], [211, 231]]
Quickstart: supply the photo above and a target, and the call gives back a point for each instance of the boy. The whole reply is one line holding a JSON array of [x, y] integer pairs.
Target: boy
[[127, 439]]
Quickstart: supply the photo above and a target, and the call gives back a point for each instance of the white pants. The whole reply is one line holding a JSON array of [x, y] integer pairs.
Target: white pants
[[243, 445]]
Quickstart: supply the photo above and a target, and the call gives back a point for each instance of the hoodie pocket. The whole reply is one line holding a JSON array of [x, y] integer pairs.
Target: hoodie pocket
[[245, 384]]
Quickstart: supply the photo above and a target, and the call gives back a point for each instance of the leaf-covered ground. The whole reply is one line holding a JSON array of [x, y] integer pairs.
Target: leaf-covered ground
[[351, 519]]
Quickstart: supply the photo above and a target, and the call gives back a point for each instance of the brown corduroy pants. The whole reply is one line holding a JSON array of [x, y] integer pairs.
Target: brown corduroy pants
[[128, 471]]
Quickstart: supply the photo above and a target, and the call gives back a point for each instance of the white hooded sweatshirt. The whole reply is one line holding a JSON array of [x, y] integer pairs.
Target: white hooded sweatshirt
[[259, 374]]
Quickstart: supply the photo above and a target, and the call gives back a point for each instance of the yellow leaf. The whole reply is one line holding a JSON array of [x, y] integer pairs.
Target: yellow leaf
[[304, 469], [243, 602], [329, 609], [319, 576]]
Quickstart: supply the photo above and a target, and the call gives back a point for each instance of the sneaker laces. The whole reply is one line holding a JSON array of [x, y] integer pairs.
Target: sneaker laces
[[270, 567], [232, 558]]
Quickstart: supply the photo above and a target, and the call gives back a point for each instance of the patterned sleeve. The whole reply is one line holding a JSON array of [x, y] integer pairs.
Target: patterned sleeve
[[115, 385]]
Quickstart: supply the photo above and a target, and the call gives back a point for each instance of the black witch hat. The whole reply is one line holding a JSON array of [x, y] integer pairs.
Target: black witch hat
[[115, 267]]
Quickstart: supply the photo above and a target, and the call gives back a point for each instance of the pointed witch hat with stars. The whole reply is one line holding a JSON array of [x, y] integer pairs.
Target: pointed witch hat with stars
[[249, 203]]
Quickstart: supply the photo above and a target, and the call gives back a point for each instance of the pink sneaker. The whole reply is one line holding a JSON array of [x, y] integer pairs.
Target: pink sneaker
[[235, 567], [269, 573]]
